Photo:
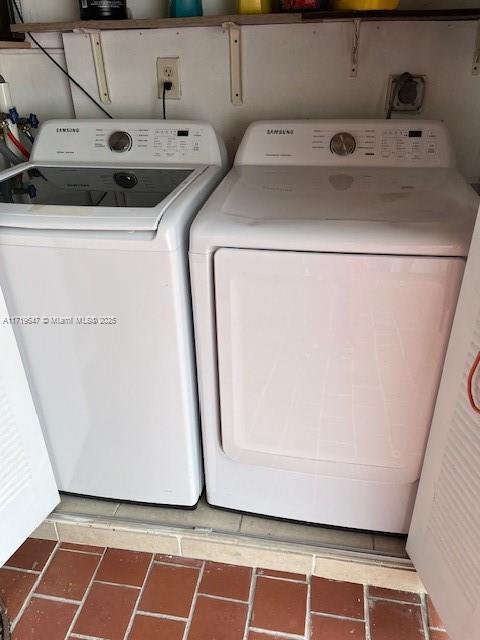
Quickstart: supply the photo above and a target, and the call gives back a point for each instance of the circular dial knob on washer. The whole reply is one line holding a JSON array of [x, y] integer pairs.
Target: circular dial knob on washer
[[120, 141], [343, 144]]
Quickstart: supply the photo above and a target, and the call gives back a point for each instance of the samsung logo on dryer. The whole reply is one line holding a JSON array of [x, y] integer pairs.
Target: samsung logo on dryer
[[280, 132], [68, 130]]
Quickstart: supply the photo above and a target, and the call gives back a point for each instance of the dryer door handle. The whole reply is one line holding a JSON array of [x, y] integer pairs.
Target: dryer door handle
[[470, 384]]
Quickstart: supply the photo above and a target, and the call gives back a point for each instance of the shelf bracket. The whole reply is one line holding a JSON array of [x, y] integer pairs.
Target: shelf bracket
[[99, 62], [357, 23], [234, 37], [476, 53]]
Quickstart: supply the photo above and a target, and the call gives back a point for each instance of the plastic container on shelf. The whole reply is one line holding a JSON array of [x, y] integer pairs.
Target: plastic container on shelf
[[103, 9], [254, 6], [302, 5], [364, 5], [185, 8]]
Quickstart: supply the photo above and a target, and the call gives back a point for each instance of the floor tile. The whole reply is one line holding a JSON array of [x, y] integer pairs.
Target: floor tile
[[282, 574], [79, 505], [106, 612], [437, 634], [46, 531], [45, 620], [32, 555], [268, 528], [279, 605], [434, 619], [169, 590], [226, 580], [68, 575], [86, 548], [254, 555], [124, 567], [217, 620], [394, 620], [203, 516], [392, 594], [391, 545], [324, 628], [257, 635], [14, 588], [150, 628], [337, 598], [185, 562]]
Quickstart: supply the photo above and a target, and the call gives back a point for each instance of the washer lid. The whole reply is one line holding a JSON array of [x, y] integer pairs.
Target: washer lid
[[359, 210], [86, 197]]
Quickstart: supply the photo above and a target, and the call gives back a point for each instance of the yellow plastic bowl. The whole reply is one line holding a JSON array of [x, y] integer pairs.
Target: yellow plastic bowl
[[364, 5]]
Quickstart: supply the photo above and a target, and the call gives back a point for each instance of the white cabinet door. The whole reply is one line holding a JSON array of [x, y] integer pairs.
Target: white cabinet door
[[27, 487], [444, 540]]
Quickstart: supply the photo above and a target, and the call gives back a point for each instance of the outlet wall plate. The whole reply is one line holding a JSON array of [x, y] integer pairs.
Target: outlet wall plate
[[168, 70], [398, 106]]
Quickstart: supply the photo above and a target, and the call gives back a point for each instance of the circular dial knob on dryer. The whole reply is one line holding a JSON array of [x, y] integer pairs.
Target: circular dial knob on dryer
[[120, 141], [343, 144]]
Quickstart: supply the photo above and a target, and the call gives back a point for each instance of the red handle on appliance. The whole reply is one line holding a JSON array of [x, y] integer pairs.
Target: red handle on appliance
[[471, 374]]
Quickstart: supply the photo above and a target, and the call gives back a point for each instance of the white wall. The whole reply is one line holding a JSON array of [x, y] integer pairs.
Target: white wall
[[292, 71], [36, 85]]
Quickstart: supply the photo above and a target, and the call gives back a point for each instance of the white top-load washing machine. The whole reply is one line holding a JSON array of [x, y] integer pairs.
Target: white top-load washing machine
[[94, 270], [325, 273]]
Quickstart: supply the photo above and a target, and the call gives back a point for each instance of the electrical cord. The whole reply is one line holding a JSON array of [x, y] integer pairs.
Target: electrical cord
[[59, 66], [167, 86]]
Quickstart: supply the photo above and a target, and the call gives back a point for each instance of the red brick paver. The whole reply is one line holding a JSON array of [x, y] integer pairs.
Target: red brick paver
[[69, 591], [279, 606], [226, 580], [68, 574]]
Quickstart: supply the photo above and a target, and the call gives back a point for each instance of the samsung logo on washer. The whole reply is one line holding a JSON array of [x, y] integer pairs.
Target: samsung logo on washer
[[280, 132], [67, 130]]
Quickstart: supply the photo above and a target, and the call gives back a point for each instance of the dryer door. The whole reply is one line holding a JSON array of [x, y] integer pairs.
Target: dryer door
[[330, 363]]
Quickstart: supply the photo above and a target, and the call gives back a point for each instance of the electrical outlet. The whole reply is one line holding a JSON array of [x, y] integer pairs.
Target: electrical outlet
[[168, 71], [409, 95]]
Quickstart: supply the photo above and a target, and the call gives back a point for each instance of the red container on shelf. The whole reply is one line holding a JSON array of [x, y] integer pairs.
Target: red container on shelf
[[302, 5]]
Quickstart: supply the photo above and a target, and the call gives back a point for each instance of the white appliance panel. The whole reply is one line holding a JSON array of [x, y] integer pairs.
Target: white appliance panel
[[109, 357], [151, 142], [330, 364], [444, 536], [377, 143], [27, 486]]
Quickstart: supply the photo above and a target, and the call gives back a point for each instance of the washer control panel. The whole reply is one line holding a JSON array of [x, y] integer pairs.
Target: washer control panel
[[128, 142], [348, 143]]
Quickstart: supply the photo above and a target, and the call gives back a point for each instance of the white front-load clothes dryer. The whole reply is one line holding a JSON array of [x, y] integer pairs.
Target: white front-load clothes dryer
[[325, 272], [94, 270]]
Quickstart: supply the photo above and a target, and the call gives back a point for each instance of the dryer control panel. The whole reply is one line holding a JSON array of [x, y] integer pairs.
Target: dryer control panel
[[129, 142], [414, 143]]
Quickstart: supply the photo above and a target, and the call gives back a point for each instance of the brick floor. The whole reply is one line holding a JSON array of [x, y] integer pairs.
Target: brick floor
[[70, 591]]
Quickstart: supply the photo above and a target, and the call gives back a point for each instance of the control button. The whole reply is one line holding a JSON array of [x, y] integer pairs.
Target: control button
[[120, 141], [125, 180], [343, 144]]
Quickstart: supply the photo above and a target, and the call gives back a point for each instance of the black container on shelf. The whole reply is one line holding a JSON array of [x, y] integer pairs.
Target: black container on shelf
[[103, 9]]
